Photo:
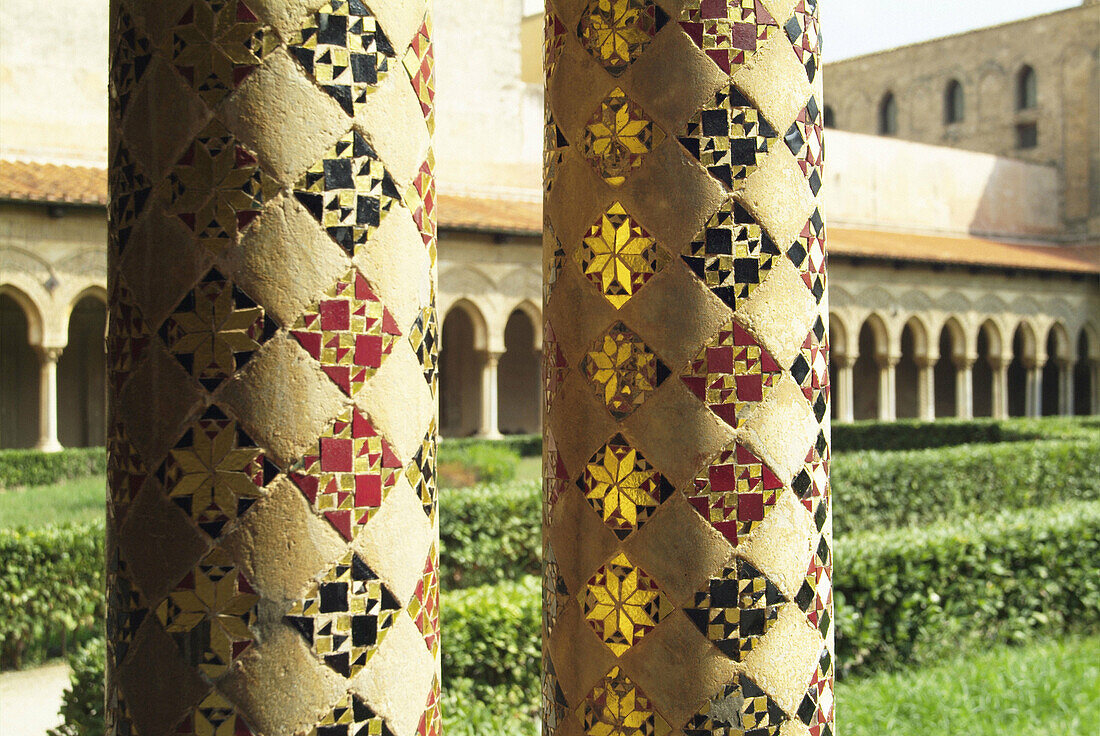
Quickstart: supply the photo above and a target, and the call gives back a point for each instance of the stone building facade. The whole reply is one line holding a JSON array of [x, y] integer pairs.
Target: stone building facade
[[1028, 90], [964, 282]]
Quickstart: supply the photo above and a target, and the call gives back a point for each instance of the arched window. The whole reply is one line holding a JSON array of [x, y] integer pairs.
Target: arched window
[[888, 115], [1027, 92], [830, 117], [954, 102]]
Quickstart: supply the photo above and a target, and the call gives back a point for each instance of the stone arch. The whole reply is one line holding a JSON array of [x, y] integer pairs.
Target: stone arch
[[463, 282], [19, 372], [888, 115], [31, 312], [82, 372], [873, 347], [914, 346], [954, 102], [519, 374], [463, 344], [989, 349], [1084, 370], [1025, 355], [839, 336], [953, 344], [534, 313], [1059, 354], [522, 283]]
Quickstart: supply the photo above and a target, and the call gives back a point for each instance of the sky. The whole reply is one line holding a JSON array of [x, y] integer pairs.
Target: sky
[[856, 27]]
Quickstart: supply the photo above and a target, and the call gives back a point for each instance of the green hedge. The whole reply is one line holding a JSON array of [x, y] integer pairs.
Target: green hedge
[[490, 534], [912, 434], [874, 490], [476, 463], [524, 445], [907, 596], [82, 705], [903, 597], [35, 468], [51, 590]]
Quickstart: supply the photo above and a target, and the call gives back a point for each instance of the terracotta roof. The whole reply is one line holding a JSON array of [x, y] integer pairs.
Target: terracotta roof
[[482, 214], [51, 183], [963, 250]]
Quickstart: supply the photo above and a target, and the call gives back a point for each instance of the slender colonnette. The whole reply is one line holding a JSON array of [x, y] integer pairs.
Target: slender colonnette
[[687, 522], [272, 523]]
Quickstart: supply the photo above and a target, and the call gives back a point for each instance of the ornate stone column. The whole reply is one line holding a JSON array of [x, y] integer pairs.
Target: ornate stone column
[[888, 387], [844, 391], [1000, 386], [688, 548], [1065, 387], [272, 531], [47, 399], [964, 386], [490, 396], [1034, 387], [926, 389]]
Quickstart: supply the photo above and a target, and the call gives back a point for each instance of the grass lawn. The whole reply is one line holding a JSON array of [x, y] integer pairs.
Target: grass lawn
[[529, 468], [1042, 688], [1050, 687], [83, 499]]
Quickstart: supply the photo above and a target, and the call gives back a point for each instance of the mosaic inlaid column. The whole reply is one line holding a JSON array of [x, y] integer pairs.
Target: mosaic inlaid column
[[687, 522], [272, 522]]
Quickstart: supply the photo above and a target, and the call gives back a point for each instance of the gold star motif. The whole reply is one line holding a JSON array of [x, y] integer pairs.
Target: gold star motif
[[619, 256], [622, 604], [622, 486], [618, 136]]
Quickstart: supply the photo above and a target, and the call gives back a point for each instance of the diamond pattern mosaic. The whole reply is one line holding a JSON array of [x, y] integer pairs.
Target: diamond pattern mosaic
[[127, 335], [728, 31], [217, 187], [736, 608], [554, 366], [805, 138], [553, 40], [126, 608], [622, 604], [351, 716], [342, 47], [554, 145], [623, 370], [618, 256], [732, 254], [554, 706], [815, 595], [624, 489], [618, 136], [421, 199], [214, 716], [130, 191], [808, 254], [216, 44], [348, 474], [126, 471], [816, 709], [348, 191], [419, 62], [729, 136], [555, 594], [616, 32], [210, 614], [424, 605], [811, 369], [130, 58], [804, 31], [424, 340], [554, 477], [422, 474], [345, 615], [617, 706], [215, 330], [349, 332], [735, 492], [215, 472], [811, 484], [740, 708], [431, 721], [732, 374]]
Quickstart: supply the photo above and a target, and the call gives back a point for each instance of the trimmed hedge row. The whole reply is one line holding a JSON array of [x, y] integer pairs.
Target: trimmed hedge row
[[903, 597], [36, 468], [876, 490], [491, 534], [524, 445], [913, 434], [51, 589]]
